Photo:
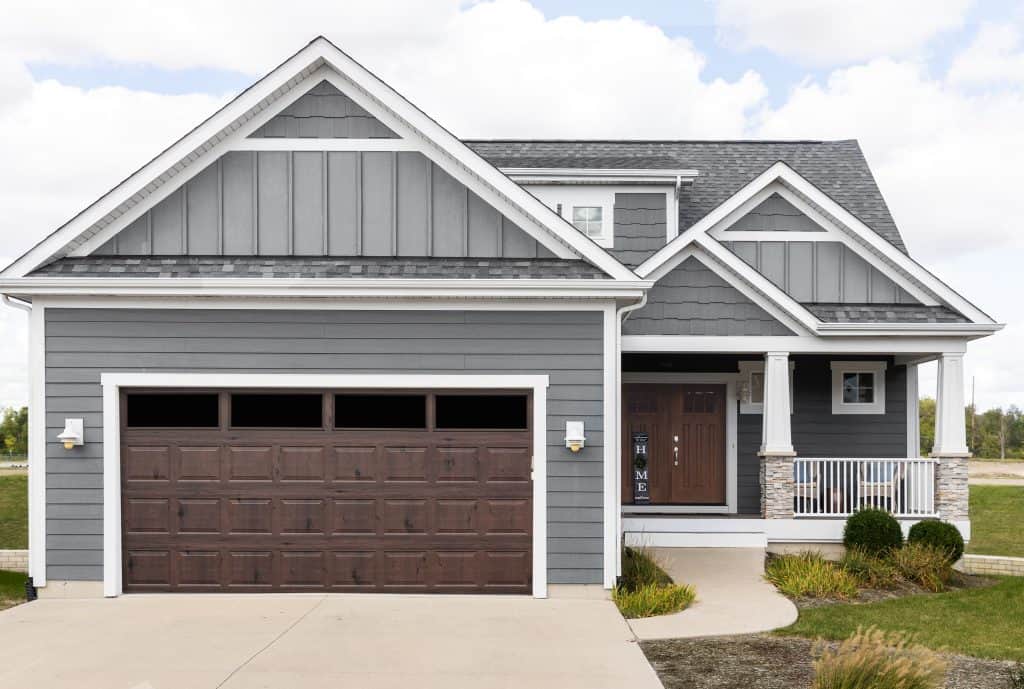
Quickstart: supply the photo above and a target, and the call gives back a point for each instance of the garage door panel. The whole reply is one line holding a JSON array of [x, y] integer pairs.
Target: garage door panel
[[405, 464], [251, 569], [403, 516], [149, 567], [458, 464], [198, 463], [199, 568], [354, 517], [147, 515], [312, 509], [355, 463], [303, 568], [302, 464], [199, 516], [303, 516], [250, 516], [507, 464], [251, 463], [146, 463]]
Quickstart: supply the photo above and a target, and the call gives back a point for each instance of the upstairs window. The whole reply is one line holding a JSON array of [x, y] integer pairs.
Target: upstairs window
[[589, 220]]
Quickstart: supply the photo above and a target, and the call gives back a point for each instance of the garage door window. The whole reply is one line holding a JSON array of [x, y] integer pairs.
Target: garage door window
[[164, 410], [481, 411], [269, 410], [380, 411]]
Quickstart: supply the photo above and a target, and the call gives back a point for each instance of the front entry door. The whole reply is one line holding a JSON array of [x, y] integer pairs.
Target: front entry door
[[685, 425]]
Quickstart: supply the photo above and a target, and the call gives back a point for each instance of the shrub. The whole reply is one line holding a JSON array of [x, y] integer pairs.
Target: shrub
[[870, 571], [924, 565], [641, 568], [653, 599], [874, 660], [873, 531], [941, 535], [809, 574]]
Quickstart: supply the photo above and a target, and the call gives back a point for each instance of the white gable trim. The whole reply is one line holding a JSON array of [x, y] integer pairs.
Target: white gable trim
[[757, 190], [319, 60], [793, 316]]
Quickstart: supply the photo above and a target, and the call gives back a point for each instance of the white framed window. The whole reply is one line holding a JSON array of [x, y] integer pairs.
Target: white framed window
[[858, 387], [752, 387], [590, 221]]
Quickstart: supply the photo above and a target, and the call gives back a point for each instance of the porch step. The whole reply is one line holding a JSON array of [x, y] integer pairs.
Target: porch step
[[689, 532]]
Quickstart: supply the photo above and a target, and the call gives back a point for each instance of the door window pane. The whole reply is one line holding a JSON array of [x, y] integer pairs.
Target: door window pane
[[481, 411], [380, 411], [274, 410], [172, 410]]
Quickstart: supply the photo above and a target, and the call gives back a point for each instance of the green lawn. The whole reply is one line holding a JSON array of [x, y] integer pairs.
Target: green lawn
[[997, 517], [984, 622], [13, 512]]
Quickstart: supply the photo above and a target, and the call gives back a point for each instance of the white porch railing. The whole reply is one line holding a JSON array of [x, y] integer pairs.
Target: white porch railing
[[838, 487]]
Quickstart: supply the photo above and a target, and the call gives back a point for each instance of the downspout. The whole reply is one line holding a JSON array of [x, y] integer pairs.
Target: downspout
[[30, 590], [620, 318]]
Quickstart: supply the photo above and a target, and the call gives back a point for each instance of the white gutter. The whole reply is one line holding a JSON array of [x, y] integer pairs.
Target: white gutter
[[526, 175]]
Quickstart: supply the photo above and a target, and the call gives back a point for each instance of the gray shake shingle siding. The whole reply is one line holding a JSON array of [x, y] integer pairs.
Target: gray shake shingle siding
[[884, 313], [838, 168], [640, 227], [693, 300], [296, 267], [83, 343]]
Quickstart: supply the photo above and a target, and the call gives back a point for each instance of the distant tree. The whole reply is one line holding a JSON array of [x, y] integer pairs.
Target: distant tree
[[926, 409], [14, 431]]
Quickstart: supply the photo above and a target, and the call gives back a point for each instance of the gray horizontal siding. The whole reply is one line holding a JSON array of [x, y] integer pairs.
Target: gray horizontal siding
[[82, 343], [692, 300], [324, 112], [821, 272], [317, 203], [640, 227]]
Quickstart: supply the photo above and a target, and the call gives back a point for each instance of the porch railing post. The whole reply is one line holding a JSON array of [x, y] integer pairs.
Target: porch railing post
[[776, 440]]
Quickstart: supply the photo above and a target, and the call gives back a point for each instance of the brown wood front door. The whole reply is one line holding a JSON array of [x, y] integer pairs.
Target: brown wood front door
[[686, 440]]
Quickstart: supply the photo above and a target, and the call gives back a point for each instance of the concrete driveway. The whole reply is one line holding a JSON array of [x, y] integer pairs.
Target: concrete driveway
[[313, 641]]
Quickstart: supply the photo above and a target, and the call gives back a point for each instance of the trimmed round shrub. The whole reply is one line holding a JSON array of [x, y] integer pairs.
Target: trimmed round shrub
[[940, 535], [872, 531]]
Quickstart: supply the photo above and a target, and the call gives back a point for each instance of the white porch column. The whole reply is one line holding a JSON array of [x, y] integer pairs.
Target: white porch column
[[776, 440], [950, 426], [951, 491]]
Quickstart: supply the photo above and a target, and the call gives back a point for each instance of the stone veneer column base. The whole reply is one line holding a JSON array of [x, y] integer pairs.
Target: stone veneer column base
[[777, 486], [951, 490]]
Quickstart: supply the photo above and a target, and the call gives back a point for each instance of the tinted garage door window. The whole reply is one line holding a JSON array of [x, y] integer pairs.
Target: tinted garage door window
[[259, 493]]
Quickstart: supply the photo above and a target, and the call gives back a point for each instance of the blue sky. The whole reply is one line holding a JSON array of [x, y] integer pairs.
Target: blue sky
[[932, 89]]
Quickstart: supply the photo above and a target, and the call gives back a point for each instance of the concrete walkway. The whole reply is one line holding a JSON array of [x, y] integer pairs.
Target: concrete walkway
[[316, 641], [732, 595]]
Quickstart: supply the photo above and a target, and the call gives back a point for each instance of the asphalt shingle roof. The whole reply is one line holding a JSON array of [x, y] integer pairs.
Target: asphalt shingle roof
[[884, 313], [838, 168], [309, 267]]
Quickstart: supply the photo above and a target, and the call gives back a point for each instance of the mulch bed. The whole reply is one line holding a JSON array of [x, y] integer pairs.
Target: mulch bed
[[760, 661]]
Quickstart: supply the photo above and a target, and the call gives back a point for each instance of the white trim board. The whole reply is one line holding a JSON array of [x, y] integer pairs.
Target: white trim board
[[612, 549], [729, 380], [753, 192], [794, 344], [37, 445], [318, 60], [113, 382]]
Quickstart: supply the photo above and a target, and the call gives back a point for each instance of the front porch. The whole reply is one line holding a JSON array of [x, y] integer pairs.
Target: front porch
[[742, 450]]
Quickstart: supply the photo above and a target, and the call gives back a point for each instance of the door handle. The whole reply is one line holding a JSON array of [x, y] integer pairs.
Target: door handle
[[675, 455]]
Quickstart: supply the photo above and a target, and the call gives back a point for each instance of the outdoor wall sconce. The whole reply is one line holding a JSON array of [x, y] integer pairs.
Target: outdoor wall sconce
[[72, 434], [574, 438], [744, 391]]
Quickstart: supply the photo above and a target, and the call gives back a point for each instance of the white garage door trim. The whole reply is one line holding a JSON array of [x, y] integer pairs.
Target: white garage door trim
[[113, 382]]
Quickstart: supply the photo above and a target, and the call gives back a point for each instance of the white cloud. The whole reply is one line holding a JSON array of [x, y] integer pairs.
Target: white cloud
[[995, 56], [831, 32], [940, 155]]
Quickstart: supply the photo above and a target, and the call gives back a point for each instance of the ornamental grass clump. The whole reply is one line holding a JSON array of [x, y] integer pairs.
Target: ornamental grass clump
[[870, 571], [653, 599], [924, 565], [872, 659], [640, 567], [808, 574]]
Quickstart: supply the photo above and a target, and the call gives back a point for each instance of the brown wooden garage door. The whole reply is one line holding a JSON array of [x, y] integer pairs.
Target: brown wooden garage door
[[312, 491]]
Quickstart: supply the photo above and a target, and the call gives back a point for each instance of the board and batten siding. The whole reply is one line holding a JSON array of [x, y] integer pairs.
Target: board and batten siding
[[640, 227], [83, 343], [692, 300], [324, 203]]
